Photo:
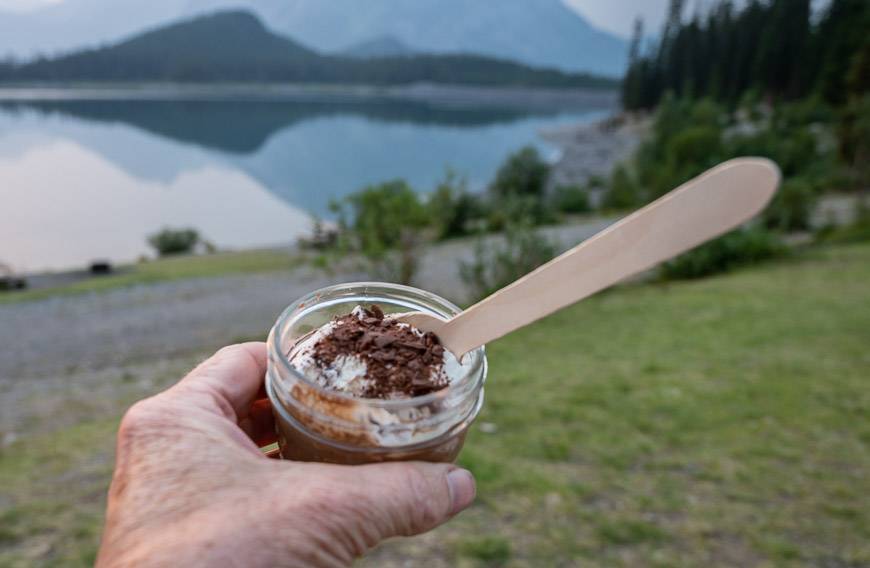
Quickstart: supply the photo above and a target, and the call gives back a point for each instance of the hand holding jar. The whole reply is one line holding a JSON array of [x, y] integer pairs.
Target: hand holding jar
[[192, 488]]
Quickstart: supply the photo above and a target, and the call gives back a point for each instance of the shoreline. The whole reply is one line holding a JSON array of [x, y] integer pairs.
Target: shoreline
[[442, 94], [593, 149]]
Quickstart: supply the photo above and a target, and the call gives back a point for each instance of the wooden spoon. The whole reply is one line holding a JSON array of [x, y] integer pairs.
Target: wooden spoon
[[709, 205]]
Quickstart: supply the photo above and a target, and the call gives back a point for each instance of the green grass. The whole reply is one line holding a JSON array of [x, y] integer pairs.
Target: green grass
[[723, 422], [719, 422], [57, 486], [169, 268]]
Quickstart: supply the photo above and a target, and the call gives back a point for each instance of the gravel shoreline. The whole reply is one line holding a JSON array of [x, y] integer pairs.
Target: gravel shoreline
[[592, 150]]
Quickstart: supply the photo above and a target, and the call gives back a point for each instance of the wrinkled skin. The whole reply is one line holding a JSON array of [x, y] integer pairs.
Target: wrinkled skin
[[192, 489]]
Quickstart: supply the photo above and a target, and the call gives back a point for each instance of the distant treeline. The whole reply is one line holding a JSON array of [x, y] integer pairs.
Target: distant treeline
[[776, 49], [234, 46]]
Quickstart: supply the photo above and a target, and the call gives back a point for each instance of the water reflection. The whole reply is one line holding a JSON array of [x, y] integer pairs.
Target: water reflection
[[82, 179], [244, 126], [83, 207]]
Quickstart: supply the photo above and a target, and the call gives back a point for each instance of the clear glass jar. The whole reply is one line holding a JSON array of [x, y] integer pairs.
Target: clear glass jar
[[317, 424]]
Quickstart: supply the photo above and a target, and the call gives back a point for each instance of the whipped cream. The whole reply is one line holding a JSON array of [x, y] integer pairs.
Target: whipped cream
[[348, 372]]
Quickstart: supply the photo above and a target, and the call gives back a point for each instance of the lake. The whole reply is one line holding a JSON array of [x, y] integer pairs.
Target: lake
[[85, 177]]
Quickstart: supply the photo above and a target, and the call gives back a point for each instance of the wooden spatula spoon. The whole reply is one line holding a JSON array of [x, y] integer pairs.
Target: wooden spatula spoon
[[699, 210]]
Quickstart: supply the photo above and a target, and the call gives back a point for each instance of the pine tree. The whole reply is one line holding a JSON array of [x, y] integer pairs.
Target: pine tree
[[780, 60], [633, 83], [769, 47], [841, 32]]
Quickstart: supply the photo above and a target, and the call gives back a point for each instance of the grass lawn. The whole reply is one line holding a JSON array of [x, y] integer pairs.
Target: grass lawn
[[169, 268], [721, 422]]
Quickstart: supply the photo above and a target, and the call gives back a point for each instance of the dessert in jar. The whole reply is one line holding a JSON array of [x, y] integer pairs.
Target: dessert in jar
[[350, 384]]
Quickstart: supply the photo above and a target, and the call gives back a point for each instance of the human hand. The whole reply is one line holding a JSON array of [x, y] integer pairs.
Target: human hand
[[191, 488]]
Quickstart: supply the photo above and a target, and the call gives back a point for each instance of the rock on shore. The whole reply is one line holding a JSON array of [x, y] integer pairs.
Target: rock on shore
[[589, 150]]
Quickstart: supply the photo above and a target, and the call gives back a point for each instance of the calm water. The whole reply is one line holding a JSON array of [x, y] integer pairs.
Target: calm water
[[86, 180]]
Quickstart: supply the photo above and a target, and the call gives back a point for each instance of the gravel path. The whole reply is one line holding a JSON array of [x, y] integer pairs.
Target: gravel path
[[92, 331]]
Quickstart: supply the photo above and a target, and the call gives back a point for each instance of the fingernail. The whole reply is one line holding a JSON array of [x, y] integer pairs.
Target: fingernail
[[462, 489]]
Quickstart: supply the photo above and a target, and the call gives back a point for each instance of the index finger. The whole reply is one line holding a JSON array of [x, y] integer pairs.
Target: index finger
[[228, 381]]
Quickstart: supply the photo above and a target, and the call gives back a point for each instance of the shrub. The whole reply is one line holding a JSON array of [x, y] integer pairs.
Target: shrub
[[571, 199], [624, 192], [697, 145], [792, 206], [452, 208], [523, 173], [517, 209], [322, 237], [518, 193], [174, 241], [386, 225], [493, 268], [688, 138], [853, 134], [855, 232], [737, 248]]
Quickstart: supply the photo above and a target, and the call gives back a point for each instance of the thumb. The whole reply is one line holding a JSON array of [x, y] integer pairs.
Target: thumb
[[370, 503]]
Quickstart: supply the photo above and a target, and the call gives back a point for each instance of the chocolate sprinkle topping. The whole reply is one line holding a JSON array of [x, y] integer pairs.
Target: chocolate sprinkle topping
[[399, 362]]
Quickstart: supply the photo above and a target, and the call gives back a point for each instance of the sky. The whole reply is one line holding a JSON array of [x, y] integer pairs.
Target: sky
[[615, 16], [25, 5], [618, 16], [612, 15]]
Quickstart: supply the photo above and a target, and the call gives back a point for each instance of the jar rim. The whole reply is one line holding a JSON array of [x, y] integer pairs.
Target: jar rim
[[276, 339]]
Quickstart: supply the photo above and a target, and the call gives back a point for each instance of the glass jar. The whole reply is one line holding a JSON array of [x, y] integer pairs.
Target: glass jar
[[318, 424]]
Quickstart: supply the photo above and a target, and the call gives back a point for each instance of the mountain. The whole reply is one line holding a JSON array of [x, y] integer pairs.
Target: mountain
[[381, 46], [537, 32], [235, 46]]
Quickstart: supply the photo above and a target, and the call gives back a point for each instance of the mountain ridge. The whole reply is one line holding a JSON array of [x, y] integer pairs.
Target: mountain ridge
[[234, 45], [536, 32]]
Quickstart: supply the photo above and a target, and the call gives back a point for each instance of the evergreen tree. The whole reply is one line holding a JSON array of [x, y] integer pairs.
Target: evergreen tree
[[841, 33], [633, 81], [780, 64], [768, 47]]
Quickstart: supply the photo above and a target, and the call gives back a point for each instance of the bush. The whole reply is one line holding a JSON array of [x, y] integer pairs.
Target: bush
[[856, 232], [696, 146], [737, 248], [853, 134], [523, 173], [453, 209], [518, 193], [624, 192], [687, 138], [174, 241], [522, 251], [322, 238], [571, 199], [386, 225], [792, 206], [518, 209]]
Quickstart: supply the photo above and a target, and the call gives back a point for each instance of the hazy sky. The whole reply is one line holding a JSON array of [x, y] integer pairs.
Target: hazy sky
[[617, 16], [24, 5], [612, 15]]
